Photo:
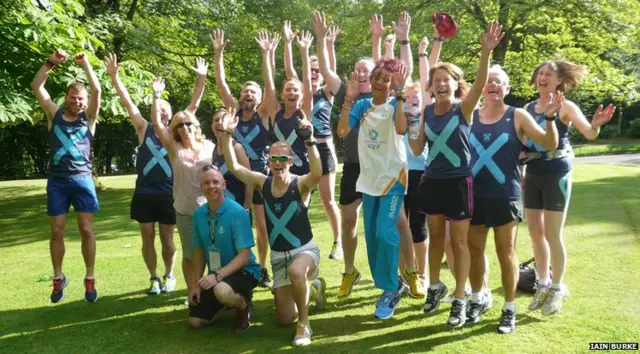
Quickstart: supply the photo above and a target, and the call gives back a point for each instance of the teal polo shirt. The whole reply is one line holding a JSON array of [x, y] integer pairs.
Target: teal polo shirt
[[232, 233]]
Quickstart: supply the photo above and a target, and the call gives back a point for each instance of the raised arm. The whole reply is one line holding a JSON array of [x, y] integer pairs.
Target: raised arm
[[93, 107], [270, 105], [309, 181], [243, 159], [350, 95], [527, 126], [377, 30], [334, 31], [139, 123], [200, 70], [304, 41], [219, 43], [161, 131], [389, 44], [424, 66], [435, 48], [402, 31], [489, 41], [275, 40], [572, 113], [398, 80], [289, 35], [321, 31], [37, 85], [248, 177]]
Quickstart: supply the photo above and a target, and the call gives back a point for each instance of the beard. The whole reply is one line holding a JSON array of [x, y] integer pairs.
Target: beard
[[249, 106]]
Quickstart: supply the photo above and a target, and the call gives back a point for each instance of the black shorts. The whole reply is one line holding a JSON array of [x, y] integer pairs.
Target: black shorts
[[452, 197], [417, 220], [327, 157], [147, 208], [548, 192], [350, 174], [241, 282], [257, 194], [494, 213]]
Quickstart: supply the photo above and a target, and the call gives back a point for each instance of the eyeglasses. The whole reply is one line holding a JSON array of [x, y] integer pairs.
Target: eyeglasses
[[314, 70], [279, 158], [210, 167], [188, 124]]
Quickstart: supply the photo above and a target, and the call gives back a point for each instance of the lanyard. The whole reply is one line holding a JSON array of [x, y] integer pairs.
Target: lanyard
[[212, 228]]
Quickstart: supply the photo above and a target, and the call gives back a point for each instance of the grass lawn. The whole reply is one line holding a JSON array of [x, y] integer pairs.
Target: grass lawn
[[607, 147], [603, 243]]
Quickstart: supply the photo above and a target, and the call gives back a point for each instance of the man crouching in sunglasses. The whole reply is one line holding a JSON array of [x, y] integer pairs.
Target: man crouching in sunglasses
[[223, 238], [294, 255]]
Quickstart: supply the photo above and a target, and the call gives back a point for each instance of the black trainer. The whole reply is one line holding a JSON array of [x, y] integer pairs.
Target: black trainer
[[433, 298], [58, 289], [265, 280], [507, 322], [457, 316], [477, 309]]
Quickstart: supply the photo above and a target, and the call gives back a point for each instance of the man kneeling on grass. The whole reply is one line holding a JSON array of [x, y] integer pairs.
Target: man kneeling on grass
[[223, 238]]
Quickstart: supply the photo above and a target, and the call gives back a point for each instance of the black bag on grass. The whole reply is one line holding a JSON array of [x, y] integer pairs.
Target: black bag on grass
[[527, 281]]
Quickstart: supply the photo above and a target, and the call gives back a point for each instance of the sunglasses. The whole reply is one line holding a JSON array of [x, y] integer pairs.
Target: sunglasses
[[317, 71], [188, 124], [210, 167], [279, 158]]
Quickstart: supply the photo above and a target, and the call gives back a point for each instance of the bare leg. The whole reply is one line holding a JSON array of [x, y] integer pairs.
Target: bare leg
[[286, 310], [148, 232], [535, 222], [553, 225], [327, 186], [437, 227], [477, 243], [300, 268], [262, 241], [168, 248], [406, 240], [349, 216], [56, 243], [459, 231], [85, 225], [225, 294], [505, 238]]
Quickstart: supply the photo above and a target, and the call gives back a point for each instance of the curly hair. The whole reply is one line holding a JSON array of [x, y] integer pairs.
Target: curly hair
[[455, 73], [389, 64], [569, 74]]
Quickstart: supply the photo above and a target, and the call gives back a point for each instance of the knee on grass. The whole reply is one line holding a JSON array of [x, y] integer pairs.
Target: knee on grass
[[195, 322]]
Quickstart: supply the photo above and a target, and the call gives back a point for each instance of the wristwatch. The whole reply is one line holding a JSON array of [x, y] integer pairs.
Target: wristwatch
[[311, 142], [549, 119], [218, 277]]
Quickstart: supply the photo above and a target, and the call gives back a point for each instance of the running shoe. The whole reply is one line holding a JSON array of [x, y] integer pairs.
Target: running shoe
[[414, 285], [433, 298], [154, 287], [387, 305], [553, 303], [507, 322], [467, 292], [477, 309], [303, 335], [319, 292], [57, 294], [348, 281], [90, 293], [457, 316], [539, 298], [243, 318], [265, 279], [168, 284], [336, 251]]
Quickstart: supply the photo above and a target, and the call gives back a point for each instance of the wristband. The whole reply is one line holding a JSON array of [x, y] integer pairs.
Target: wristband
[[310, 143], [438, 39], [423, 55], [404, 42], [549, 119], [398, 90], [400, 98], [49, 64]]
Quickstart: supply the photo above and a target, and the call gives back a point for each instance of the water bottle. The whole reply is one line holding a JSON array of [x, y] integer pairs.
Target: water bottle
[[414, 121]]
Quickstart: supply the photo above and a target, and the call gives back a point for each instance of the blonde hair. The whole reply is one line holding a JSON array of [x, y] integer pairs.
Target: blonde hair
[[569, 74], [164, 104], [184, 116], [455, 72], [412, 85]]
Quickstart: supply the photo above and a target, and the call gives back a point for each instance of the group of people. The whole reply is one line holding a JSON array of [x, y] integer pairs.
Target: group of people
[[418, 154]]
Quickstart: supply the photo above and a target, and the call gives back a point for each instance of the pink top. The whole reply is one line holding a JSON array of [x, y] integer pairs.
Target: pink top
[[187, 195]]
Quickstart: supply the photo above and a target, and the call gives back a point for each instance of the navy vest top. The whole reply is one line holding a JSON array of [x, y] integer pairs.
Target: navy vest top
[[448, 140], [494, 158], [235, 188], [285, 130], [70, 145], [155, 176], [543, 166], [351, 144], [253, 137], [321, 115], [287, 219]]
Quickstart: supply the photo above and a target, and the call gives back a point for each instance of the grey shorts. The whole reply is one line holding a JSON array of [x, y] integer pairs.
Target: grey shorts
[[184, 223], [280, 261]]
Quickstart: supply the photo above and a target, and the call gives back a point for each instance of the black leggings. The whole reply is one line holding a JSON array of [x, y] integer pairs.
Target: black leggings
[[417, 220]]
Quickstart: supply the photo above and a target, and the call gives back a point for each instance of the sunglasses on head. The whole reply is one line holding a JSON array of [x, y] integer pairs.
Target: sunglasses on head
[[210, 167], [279, 158], [188, 124]]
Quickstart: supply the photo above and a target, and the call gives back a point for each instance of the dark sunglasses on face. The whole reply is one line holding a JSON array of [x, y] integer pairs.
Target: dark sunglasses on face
[[313, 70], [188, 124], [279, 158]]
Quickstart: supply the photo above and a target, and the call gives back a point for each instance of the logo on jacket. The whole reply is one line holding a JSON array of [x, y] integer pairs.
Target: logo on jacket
[[372, 142], [245, 129], [486, 137], [278, 207]]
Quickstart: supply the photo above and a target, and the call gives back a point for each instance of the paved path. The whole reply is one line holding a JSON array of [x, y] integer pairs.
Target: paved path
[[623, 159]]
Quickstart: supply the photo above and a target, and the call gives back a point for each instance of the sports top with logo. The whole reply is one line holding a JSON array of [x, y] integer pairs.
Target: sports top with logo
[[253, 137], [285, 130], [494, 158], [70, 144], [543, 166], [448, 140], [155, 176], [351, 142], [381, 150], [321, 115], [287, 219], [235, 188]]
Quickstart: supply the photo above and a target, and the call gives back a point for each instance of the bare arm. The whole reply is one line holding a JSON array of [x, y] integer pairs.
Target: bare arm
[[424, 73], [309, 181], [219, 43], [571, 112], [243, 159], [389, 44], [161, 131], [402, 30], [377, 30], [272, 59], [489, 41], [200, 70], [248, 177], [37, 85], [139, 123], [289, 35], [528, 127], [435, 48], [240, 260], [320, 29], [198, 266], [334, 31], [304, 42], [93, 107], [270, 105], [398, 80], [352, 92]]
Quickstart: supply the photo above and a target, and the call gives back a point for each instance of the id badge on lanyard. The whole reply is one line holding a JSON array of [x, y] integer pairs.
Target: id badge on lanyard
[[215, 262]]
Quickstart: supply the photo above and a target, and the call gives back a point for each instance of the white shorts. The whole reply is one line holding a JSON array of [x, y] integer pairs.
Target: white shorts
[[280, 261]]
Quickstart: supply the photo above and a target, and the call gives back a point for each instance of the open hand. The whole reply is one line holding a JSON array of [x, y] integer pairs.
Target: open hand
[[207, 282], [304, 40], [399, 77], [334, 31], [158, 85], [402, 28], [111, 63], [555, 104], [263, 40], [319, 22], [422, 47], [201, 67], [602, 116], [289, 35], [377, 27], [229, 121], [352, 86], [217, 40], [492, 37]]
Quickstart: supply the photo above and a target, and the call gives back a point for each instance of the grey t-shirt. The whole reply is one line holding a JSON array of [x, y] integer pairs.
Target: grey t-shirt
[[351, 141]]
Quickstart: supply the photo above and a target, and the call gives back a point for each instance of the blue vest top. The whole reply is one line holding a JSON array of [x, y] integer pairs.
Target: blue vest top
[[70, 145], [448, 141], [321, 115], [494, 158], [543, 166], [285, 130], [155, 176], [235, 188], [287, 219], [253, 137]]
